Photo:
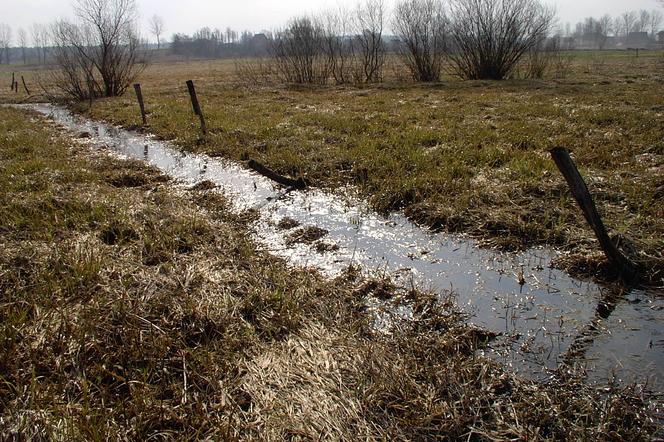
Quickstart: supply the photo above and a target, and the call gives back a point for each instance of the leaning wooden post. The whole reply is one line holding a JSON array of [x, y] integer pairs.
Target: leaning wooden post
[[13, 80], [139, 96], [196, 105], [582, 196], [25, 86]]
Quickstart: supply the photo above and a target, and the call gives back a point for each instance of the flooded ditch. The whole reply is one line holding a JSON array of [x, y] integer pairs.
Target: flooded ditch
[[543, 315]]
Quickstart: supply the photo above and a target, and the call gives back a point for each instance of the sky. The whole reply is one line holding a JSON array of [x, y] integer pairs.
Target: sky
[[257, 15]]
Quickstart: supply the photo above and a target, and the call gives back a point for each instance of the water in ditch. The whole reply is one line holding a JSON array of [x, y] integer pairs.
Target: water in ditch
[[551, 318]]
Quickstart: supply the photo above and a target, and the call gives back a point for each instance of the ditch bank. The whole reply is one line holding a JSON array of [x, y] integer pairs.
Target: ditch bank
[[543, 317]]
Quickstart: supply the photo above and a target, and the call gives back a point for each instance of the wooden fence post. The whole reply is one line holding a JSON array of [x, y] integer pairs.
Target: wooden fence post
[[582, 196], [13, 79], [139, 96], [196, 105], [27, 91]]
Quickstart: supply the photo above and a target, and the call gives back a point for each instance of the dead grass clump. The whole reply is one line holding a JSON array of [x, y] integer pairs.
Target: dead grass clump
[[204, 185], [129, 180], [117, 233], [383, 289], [306, 235], [130, 174], [325, 247], [288, 223]]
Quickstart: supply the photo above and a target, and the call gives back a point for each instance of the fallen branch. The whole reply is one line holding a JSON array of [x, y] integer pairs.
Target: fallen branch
[[299, 183]]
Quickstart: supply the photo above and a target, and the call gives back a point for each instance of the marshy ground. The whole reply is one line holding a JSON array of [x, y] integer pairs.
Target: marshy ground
[[132, 307], [459, 156]]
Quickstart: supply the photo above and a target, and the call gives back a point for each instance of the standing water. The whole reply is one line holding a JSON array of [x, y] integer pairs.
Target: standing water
[[551, 318]]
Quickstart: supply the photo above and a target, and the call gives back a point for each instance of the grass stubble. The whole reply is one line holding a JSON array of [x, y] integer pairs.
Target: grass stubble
[[134, 309]]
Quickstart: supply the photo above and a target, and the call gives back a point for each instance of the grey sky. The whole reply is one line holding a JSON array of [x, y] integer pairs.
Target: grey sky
[[255, 15]]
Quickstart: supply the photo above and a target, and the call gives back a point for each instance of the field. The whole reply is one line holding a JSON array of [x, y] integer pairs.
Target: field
[[459, 156], [131, 307]]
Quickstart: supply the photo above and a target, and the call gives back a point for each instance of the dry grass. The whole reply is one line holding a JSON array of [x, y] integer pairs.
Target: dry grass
[[458, 156], [139, 312]]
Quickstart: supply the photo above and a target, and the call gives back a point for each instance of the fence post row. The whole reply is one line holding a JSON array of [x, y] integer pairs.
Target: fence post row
[[582, 196], [139, 96], [196, 105]]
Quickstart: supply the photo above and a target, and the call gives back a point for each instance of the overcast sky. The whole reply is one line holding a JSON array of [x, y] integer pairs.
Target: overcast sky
[[256, 15]]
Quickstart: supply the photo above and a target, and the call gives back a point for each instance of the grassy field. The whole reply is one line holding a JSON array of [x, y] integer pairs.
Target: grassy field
[[458, 156], [134, 309]]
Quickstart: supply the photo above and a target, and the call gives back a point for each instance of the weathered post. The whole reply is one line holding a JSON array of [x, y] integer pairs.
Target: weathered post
[[196, 105], [25, 86], [12, 85], [582, 196], [139, 96]]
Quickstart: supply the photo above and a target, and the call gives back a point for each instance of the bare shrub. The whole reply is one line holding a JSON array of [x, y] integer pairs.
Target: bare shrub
[[490, 37], [421, 27], [542, 57], [256, 71], [298, 52], [99, 57], [563, 57], [370, 47], [338, 44]]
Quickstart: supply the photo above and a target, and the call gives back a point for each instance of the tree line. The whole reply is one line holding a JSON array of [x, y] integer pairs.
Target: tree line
[[215, 43], [477, 39], [100, 53]]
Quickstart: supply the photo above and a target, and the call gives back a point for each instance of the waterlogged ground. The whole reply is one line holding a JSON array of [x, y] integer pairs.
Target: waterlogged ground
[[543, 316], [135, 307]]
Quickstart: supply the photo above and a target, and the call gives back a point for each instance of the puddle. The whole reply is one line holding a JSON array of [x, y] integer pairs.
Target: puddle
[[551, 318]]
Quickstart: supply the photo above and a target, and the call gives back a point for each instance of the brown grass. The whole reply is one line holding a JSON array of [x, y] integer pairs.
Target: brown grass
[[142, 312], [457, 156]]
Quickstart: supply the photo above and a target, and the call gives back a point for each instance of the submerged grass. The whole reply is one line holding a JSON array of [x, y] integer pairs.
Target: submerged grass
[[141, 312], [458, 156]]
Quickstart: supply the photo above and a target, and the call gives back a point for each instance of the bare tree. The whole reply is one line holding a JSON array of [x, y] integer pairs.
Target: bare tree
[[231, 35], [643, 21], [656, 18], [23, 43], [421, 27], [298, 52], [625, 23], [99, 56], [491, 36], [370, 19], [40, 37], [604, 28], [338, 44], [157, 28], [5, 41]]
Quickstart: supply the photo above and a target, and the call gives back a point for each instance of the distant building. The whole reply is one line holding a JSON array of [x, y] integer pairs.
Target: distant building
[[259, 44], [595, 40], [637, 40]]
